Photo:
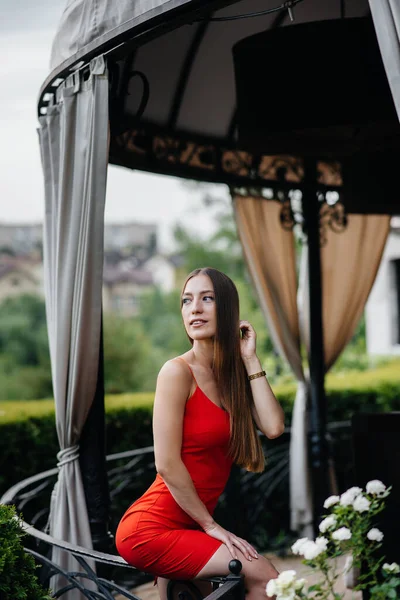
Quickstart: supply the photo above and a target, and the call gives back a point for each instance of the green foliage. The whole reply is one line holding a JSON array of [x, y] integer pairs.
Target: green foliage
[[161, 319], [23, 331], [18, 580], [127, 356], [24, 352], [28, 441], [221, 249], [198, 252], [134, 349]]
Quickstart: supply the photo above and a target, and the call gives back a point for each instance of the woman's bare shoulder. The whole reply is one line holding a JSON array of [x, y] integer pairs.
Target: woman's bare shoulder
[[175, 369]]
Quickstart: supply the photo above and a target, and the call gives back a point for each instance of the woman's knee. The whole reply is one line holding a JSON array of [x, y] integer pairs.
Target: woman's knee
[[259, 572]]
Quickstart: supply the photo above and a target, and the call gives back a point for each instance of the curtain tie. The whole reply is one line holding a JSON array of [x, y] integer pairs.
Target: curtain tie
[[67, 455]]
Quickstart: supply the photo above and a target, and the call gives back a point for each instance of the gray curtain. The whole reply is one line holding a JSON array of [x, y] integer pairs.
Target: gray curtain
[[386, 17], [74, 147]]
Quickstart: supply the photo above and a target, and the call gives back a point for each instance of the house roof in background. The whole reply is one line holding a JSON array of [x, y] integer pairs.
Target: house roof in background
[[124, 274]]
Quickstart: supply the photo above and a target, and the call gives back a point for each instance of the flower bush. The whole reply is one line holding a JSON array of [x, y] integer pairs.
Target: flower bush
[[346, 529]]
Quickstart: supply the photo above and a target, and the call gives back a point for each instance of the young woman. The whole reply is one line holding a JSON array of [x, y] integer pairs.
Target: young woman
[[208, 406]]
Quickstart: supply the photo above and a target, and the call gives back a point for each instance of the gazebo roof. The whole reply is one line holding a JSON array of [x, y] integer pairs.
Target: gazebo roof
[[178, 54]]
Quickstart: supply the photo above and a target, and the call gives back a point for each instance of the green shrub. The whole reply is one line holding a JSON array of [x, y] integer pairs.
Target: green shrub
[[28, 441], [18, 580]]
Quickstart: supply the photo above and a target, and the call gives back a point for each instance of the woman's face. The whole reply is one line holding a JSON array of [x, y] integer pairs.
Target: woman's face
[[198, 308]]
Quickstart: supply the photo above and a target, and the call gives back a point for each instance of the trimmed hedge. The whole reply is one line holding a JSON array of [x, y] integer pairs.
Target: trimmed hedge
[[28, 442], [28, 439]]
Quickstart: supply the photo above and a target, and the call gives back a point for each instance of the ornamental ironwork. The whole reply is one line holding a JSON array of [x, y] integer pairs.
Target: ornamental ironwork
[[286, 185]]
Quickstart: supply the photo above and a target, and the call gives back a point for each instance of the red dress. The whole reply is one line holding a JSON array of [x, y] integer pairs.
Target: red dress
[[155, 534]]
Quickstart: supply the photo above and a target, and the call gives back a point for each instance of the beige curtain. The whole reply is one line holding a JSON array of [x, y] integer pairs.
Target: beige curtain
[[349, 263], [73, 140], [269, 251]]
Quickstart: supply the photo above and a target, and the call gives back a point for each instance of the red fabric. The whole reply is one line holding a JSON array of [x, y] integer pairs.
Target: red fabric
[[155, 534]]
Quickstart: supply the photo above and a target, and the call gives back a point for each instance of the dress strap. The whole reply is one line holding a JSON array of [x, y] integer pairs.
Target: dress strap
[[189, 367]]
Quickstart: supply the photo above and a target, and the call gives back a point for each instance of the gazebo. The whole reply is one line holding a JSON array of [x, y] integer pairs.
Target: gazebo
[[295, 108]]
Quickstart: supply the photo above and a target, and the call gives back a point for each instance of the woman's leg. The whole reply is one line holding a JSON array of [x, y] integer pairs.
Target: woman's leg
[[257, 572], [204, 587]]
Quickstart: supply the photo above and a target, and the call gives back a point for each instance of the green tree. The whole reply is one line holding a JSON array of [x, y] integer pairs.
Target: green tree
[[128, 356], [23, 330], [24, 352]]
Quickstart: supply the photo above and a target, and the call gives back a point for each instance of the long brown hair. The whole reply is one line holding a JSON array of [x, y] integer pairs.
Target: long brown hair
[[230, 374]]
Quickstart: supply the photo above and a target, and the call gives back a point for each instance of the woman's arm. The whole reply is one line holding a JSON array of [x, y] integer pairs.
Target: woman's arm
[[173, 386], [267, 412]]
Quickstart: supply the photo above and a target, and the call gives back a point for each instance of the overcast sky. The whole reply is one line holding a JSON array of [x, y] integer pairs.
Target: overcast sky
[[27, 29]]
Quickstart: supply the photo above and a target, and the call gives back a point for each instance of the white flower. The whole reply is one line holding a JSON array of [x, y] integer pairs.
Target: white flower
[[299, 584], [271, 589], [286, 595], [348, 497], [331, 501], [341, 534], [392, 568], [296, 548], [322, 543], [361, 504], [328, 522], [286, 578], [375, 535], [376, 487], [283, 587], [311, 550]]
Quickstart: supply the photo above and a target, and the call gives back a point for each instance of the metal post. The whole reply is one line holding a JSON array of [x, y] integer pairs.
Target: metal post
[[317, 434], [92, 458]]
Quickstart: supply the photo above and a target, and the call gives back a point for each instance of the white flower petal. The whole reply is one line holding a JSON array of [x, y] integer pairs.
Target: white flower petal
[[271, 588], [331, 501], [348, 497], [296, 547], [375, 535], [311, 550], [286, 577], [299, 584], [391, 568], [327, 523], [322, 543], [341, 534], [376, 487], [361, 504]]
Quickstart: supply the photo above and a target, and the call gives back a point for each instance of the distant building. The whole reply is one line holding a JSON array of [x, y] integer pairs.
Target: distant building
[[132, 266], [123, 237], [123, 288], [21, 239], [163, 271], [18, 277], [127, 238], [382, 314]]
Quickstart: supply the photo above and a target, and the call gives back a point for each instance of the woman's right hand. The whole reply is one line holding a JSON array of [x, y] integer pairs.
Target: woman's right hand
[[231, 541]]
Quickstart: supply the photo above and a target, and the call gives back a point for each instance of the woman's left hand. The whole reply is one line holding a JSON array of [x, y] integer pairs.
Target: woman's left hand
[[247, 340]]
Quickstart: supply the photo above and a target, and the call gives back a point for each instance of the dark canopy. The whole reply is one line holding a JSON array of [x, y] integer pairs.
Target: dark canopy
[[173, 60]]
